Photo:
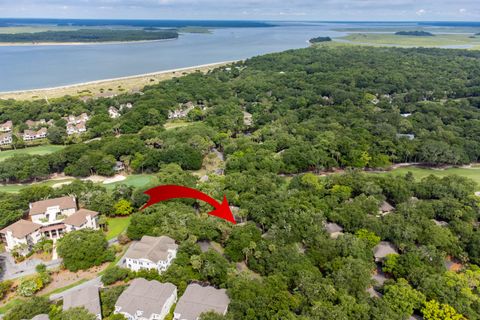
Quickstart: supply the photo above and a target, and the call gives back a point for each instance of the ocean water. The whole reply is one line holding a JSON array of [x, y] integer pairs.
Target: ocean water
[[32, 67]]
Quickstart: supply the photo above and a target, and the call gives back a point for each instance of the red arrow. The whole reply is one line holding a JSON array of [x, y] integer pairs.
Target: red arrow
[[167, 192]]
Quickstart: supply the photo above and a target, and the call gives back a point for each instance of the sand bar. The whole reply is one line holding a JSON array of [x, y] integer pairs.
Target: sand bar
[[108, 87]]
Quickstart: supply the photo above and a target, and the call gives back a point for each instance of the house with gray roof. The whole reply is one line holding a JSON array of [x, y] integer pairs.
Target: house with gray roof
[[87, 297], [383, 249], [197, 300], [385, 208], [333, 229], [146, 300], [151, 253]]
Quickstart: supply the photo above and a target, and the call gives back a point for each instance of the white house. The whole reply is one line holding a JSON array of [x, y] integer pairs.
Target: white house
[[81, 219], [197, 300], [50, 219], [151, 253], [71, 119], [6, 138], [87, 297], [146, 300], [29, 135], [113, 112], [76, 128], [182, 111], [21, 233], [51, 211]]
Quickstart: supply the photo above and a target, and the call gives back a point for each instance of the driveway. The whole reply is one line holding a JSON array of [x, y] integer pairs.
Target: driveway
[[11, 270]]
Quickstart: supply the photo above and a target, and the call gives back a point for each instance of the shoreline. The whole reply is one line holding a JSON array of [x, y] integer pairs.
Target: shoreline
[[119, 85], [99, 43]]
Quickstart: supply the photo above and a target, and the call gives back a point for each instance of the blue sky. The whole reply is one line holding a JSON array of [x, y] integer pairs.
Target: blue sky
[[458, 10]]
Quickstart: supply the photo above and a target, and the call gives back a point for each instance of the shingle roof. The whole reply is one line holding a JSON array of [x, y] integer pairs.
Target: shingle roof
[[21, 228], [386, 207], [151, 248], [198, 299], [333, 227], [146, 296], [383, 249], [40, 207], [87, 297], [79, 217]]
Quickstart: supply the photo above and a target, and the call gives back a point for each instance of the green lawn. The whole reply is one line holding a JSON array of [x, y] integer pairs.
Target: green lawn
[[14, 188], [116, 226], [419, 173], [136, 181], [40, 150], [439, 40]]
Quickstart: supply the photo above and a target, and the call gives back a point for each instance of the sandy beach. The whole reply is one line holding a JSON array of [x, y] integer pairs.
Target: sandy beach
[[108, 87], [26, 44]]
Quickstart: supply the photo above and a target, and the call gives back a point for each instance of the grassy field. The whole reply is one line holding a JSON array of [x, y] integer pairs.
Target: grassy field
[[439, 40], [136, 180], [40, 150], [117, 225], [177, 124], [17, 187], [419, 173]]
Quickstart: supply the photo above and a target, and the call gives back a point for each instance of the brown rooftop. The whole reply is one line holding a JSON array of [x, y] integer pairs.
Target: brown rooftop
[[198, 299], [21, 228], [40, 207], [80, 217]]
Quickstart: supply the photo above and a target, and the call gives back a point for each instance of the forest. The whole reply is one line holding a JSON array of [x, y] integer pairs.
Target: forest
[[89, 35], [313, 110], [416, 33]]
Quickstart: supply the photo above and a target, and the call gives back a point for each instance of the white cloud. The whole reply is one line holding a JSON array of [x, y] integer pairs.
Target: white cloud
[[462, 10], [420, 12]]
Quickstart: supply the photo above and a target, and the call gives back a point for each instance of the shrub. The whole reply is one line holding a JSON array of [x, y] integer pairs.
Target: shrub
[[83, 249], [114, 274]]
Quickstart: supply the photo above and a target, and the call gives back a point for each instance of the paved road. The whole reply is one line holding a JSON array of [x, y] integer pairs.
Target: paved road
[[10, 270]]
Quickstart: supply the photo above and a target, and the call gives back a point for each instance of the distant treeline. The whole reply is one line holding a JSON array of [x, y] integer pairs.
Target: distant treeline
[[320, 39], [89, 35], [414, 33]]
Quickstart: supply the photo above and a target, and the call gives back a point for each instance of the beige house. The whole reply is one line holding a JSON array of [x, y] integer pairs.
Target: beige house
[[385, 208], [21, 233], [29, 135], [333, 230], [7, 126], [34, 124], [87, 297], [146, 300], [151, 253], [383, 249], [197, 300]]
